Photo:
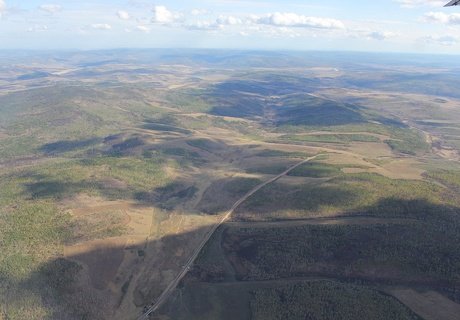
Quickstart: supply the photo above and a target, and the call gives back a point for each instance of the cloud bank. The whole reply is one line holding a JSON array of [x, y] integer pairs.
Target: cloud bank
[[441, 17], [295, 20]]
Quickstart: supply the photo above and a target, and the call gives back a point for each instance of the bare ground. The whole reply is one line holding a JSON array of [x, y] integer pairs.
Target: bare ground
[[429, 305], [319, 221]]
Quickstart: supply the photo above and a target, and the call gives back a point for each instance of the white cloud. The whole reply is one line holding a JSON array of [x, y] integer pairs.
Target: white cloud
[[441, 40], [295, 20], [202, 25], [229, 20], [162, 15], [101, 26], [420, 3], [199, 12], [50, 8], [273, 20], [37, 28], [2, 7], [143, 29], [272, 25], [219, 24], [441, 17], [123, 15], [380, 35]]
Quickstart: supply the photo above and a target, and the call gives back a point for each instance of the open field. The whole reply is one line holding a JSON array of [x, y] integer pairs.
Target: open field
[[428, 305], [114, 171]]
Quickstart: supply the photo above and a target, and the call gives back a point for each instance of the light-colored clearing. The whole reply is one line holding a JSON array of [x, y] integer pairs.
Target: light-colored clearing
[[319, 221], [407, 168], [429, 305], [154, 243]]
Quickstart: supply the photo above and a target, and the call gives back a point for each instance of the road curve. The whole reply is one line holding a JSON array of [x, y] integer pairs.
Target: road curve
[[173, 284]]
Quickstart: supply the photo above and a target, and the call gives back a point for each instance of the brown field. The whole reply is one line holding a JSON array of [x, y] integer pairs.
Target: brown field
[[111, 263]]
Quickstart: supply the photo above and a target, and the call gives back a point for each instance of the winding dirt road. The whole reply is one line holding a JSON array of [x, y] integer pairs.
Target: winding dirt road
[[173, 284]]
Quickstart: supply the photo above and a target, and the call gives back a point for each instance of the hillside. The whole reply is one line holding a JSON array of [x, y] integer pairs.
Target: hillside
[[116, 165]]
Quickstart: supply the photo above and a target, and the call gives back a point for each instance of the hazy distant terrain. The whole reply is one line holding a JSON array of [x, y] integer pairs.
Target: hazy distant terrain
[[115, 165]]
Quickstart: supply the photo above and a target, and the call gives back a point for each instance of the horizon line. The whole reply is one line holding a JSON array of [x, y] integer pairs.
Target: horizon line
[[228, 49]]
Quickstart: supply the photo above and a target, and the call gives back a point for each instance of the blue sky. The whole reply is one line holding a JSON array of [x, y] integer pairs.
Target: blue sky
[[376, 25]]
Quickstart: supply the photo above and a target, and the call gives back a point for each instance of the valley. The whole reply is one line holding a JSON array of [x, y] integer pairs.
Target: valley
[[228, 185]]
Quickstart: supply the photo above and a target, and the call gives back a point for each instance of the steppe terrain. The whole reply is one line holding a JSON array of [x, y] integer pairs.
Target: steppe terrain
[[229, 185]]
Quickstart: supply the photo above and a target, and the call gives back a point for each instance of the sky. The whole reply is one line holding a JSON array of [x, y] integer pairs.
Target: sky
[[422, 26]]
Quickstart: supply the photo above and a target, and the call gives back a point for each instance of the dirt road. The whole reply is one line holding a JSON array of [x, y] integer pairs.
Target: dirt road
[[172, 286], [346, 220]]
